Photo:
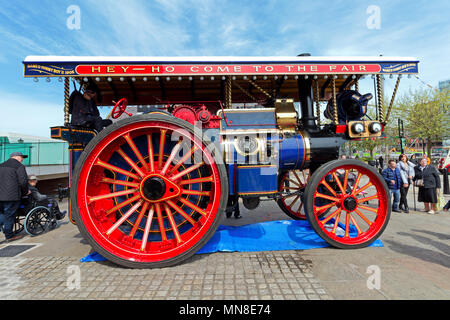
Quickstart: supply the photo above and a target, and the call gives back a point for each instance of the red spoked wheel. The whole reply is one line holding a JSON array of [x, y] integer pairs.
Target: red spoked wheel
[[347, 203], [292, 185], [148, 192]]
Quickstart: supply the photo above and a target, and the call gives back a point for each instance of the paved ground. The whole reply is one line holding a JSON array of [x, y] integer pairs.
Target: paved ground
[[414, 264]]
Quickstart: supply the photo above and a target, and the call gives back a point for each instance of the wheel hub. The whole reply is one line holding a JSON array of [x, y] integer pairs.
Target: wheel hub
[[349, 204], [157, 188]]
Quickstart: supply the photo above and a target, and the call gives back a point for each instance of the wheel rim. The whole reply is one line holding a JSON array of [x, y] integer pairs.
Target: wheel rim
[[125, 215], [351, 215], [293, 181]]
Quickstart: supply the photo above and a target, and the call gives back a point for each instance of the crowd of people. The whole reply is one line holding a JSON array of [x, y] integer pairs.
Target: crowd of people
[[400, 175], [17, 188]]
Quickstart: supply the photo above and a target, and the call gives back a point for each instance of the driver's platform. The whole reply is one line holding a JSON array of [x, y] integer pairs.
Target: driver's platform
[[74, 135]]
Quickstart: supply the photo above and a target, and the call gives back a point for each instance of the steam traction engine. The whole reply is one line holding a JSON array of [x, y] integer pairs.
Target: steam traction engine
[[151, 189]]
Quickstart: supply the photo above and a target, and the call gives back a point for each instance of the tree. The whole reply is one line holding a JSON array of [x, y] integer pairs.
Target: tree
[[426, 115]]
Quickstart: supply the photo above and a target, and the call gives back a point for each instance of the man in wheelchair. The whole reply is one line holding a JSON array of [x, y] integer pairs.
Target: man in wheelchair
[[44, 200]]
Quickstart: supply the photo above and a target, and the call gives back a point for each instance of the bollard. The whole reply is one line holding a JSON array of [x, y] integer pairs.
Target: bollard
[[446, 188]]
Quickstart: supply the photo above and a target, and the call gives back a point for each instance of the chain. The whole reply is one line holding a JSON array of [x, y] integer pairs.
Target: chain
[[260, 89], [392, 99]]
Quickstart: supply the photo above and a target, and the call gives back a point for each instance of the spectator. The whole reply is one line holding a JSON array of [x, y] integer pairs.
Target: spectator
[[393, 179], [447, 206], [45, 200], [407, 173], [414, 160], [13, 187], [428, 180], [381, 161]]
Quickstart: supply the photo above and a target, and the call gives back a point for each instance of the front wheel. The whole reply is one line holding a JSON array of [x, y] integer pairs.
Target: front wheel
[[347, 203]]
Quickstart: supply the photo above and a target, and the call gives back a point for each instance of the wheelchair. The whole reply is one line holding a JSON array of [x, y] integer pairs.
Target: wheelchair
[[34, 218]]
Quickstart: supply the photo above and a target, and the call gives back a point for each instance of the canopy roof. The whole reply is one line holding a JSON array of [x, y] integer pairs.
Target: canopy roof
[[152, 80]]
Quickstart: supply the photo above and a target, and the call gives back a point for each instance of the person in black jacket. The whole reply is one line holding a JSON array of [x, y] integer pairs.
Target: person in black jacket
[[431, 181], [13, 186], [84, 110], [44, 200]]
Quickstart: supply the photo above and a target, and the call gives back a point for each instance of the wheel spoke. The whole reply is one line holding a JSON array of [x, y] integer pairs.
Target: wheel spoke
[[181, 212], [183, 159], [117, 169], [131, 163], [324, 196], [355, 187], [328, 187], [193, 206], [345, 180], [197, 180], [337, 211], [363, 217], [111, 195], [325, 207], [296, 183], [173, 224], [147, 228], [369, 184], [294, 201], [355, 224], [124, 217], [338, 182], [186, 171], [347, 224], [375, 196], [300, 207], [123, 204], [196, 193], [162, 141], [336, 222], [162, 229], [171, 157], [136, 151], [151, 159], [368, 208], [138, 220], [298, 179], [121, 182]]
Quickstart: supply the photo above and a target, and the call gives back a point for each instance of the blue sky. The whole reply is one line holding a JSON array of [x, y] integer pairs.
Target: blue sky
[[205, 27]]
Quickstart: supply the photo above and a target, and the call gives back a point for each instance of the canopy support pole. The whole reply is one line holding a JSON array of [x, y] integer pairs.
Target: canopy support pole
[[316, 97], [335, 111], [66, 100], [228, 98], [380, 94]]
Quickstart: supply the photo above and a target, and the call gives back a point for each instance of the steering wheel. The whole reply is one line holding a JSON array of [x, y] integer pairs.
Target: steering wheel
[[119, 108]]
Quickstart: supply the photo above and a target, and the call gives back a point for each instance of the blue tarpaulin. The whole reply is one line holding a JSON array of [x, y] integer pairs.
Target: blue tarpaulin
[[264, 236]]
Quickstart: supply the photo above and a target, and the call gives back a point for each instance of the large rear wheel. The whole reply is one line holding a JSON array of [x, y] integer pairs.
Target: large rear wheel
[[148, 192]]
